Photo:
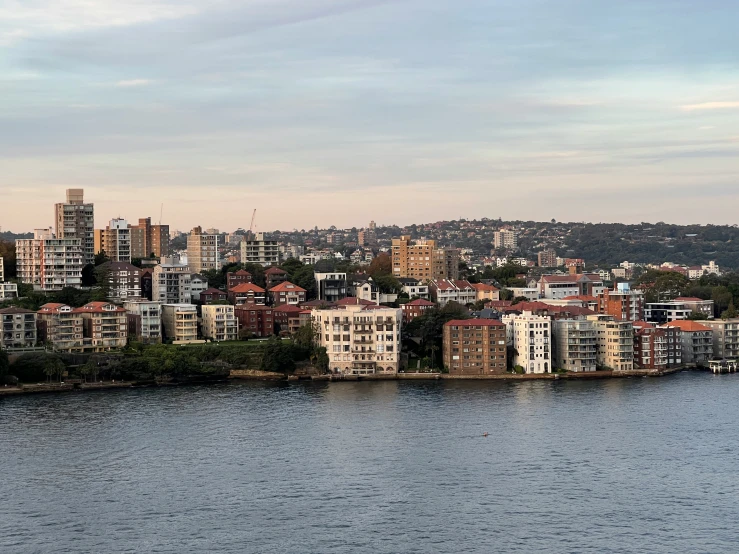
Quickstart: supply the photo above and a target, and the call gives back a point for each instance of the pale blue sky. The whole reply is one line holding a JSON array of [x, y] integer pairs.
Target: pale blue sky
[[321, 112]]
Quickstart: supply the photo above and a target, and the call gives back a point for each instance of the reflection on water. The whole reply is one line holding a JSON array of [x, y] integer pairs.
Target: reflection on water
[[637, 465]]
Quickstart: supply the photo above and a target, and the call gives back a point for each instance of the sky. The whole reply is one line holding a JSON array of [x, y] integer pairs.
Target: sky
[[337, 112]]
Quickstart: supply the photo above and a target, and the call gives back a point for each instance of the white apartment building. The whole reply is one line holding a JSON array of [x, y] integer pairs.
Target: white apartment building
[[8, 291], [2, 270], [615, 342], [360, 339], [115, 240], [531, 337], [444, 291], [575, 345], [219, 322], [180, 323], [76, 220], [530, 293], [48, 263], [198, 284], [202, 251], [505, 238], [171, 282], [562, 286], [18, 327], [144, 319], [258, 250], [414, 287]]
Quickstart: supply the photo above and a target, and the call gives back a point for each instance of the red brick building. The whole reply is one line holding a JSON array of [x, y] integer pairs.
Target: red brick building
[[287, 293], [274, 276], [237, 278], [474, 346], [656, 347], [211, 295], [415, 308], [257, 320], [288, 318], [247, 293]]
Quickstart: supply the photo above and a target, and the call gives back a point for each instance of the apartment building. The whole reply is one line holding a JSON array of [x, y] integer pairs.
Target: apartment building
[[8, 291], [615, 342], [331, 287], [104, 326], [219, 322], [259, 250], [415, 308], [485, 292], [123, 280], [623, 303], [575, 345], [49, 263], [656, 347], [237, 278], [180, 323], [562, 286], [474, 346], [61, 327], [171, 282], [257, 320], [697, 341], [664, 312], [202, 251], [547, 258], [444, 291], [114, 241], [273, 276], [76, 220], [505, 239], [211, 296], [360, 339], [697, 305], [423, 259], [287, 293], [289, 318], [247, 293], [531, 337], [144, 320], [18, 328], [149, 240], [725, 337]]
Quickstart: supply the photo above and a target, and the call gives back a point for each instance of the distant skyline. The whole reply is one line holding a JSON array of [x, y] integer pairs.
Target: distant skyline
[[336, 112]]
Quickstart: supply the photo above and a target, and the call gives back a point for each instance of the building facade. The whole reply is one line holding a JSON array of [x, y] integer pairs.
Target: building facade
[[331, 287], [360, 339], [531, 338], [423, 260], [444, 291], [697, 342], [725, 337], [18, 328], [61, 327], [123, 280], [247, 293], [114, 241], [144, 320], [547, 258], [256, 320], [615, 342], [474, 346], [171, 282], [287, 293], [237, 278], [180, 323], [415, 308], [656, 348], [259, 250], [76, 220], [202, 251], [219, 322], [49, 263], [575, 345], [623, 303], [273, 276], [104, 326]]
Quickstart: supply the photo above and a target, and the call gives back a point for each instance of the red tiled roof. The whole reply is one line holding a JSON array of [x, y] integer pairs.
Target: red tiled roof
[[97, 307], [483, 287], [247, 287], [242, 272], [275, 271], [213, 290], [15, 310], [289, 308], [353, 301], [419, 302], [475, 322], [642, 325], [286, 286], [686, 325], [583, 297]]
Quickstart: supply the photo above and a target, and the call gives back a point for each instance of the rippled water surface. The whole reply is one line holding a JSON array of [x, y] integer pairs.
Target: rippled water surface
[[639, 465]]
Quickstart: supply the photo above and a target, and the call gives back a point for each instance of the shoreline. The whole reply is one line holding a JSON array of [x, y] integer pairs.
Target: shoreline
[[254, 375]]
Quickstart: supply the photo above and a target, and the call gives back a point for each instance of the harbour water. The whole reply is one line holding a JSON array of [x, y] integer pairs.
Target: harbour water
[[624, 465]]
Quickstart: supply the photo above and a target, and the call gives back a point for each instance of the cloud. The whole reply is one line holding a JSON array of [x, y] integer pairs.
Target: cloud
[[133, 83], [710, 106]]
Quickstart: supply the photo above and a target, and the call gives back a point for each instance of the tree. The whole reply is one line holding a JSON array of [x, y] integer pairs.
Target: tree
[[387, 284], [4, 364], [7, 253], [88, 276], [101, 258], [304, 277], [291, 265], [730, 312], [381, 265], [305, 336], [53, 367], [722, 298], [104, 289], [257, 273], [277, 357], [325, 266]]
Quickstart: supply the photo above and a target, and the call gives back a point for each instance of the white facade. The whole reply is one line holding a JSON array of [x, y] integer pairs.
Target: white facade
[[360, 339], [529, 293], [615, 342], [198, 284], [150, 319], [119, 238], [171, 282], [419, 290], [504, 238], [531, 337], [48, 263], [8, 291], [2, 270], [76, 220], [260, 251], [219, 322]]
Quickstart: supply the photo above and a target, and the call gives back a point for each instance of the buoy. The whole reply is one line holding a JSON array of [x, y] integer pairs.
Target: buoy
[[485, 434]]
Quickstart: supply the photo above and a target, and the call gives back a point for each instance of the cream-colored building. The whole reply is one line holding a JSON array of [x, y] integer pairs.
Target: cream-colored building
[[359, 337], [18, 327], [180, 323], [114, 240], [575, 345], [725, 337], [219, 322], [202, 251], [615, 342], [144, 320], [531, 337], [61, 327], [505, 239], [49, 263], [105, 326], [170, 283], [76, 220], [259, 250], [423, 259]]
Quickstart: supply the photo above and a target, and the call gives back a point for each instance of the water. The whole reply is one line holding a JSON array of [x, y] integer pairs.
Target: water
[[639, 465]]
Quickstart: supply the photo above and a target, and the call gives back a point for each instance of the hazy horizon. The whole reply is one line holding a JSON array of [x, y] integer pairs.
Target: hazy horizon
[[338, 112]]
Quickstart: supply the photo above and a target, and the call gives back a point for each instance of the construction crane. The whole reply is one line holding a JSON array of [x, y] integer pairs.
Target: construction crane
[[251, 226]]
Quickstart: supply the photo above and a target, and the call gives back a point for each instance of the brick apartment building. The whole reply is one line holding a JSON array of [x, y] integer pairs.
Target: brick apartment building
[[474, 346]]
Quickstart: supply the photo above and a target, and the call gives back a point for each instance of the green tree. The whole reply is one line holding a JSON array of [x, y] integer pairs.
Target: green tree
[[277, 357], [257, 273], [291, 265], [4, 364], [387, 284], [722, 298], [730, 312], [101, 258], [7, 253], [304, 277]]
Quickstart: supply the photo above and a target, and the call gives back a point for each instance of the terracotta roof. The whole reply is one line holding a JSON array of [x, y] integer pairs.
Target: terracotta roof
[[353, 301], [241, 272], [289, 308], [419, 302], [213, 290], [483, 287], [686, 325], [317, 303], [642, 325], [543, 307], [689, 299], [475, 322], [275, 271], [583, 297], [287, 286], [97, 307], [247, 287], [15, 310]]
